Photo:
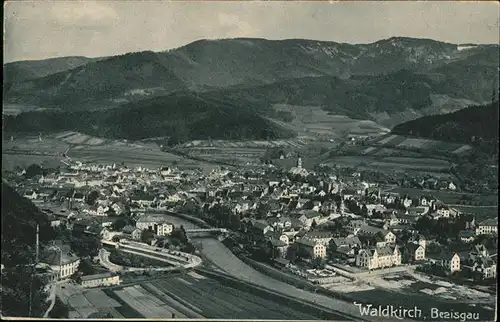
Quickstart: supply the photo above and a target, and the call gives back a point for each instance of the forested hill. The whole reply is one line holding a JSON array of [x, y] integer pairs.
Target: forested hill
[[19, 219], [184, 115], [475, 125]]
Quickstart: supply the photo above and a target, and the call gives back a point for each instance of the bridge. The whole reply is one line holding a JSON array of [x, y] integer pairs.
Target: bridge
[[207, 230]]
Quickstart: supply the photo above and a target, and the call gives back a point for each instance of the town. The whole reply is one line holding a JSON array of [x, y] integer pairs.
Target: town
[[336, 231]]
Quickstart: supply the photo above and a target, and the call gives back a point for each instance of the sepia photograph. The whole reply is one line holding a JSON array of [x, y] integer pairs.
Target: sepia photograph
[[250, 160]]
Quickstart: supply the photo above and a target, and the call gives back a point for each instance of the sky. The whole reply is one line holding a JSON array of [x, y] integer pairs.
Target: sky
[[43, 29]]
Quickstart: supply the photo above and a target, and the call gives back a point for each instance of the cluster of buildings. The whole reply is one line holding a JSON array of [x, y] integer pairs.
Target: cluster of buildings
[[341, 219]]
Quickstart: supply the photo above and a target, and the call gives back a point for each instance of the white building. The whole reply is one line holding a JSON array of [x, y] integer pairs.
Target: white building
[[156, 223], [106, 279], [312, 248], [61, 260], [487, 227], [378, 257]]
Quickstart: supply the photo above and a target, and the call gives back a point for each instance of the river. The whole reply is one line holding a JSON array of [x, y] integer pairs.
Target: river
[[222, 257]]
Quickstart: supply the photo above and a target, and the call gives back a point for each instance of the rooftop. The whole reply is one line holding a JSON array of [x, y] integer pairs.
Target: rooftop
[[96, 276]]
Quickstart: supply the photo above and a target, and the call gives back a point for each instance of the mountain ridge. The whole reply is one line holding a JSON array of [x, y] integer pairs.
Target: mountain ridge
[[398, 77]]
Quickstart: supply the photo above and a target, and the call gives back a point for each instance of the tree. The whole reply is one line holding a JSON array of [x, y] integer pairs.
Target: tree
[[85, 245], [119, 224], [318, 262], [314, 224], [179, 234], [85, 267], [291, 253], [33, 170], [92, 197], [17, 285], [147, 236], [115, 239]]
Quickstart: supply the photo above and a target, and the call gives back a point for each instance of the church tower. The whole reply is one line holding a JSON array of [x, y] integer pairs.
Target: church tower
[[299, 162]]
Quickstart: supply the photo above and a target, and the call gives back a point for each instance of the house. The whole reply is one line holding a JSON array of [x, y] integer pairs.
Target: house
[[351, 242], [276, 248], [316, 205], [407, 202], [128, 229], [452, 186], [417, 252], [97, 280], [470, 221], [369, 241], [345, 248], [354, 226], [283, 222], [388, 197], [101, 210], [61, 260], [155, 223], [479, 251], [164, 229], [260, 228], [309, 217], [78, 196], [443, 211], [486, 267], [426, 201], [378, 257], [417, 211], [386, 235], [487, 227], [311, 248], [136, 234], [281, 263], [466, 236], [143, 199], [118, 208], [30, 194], [54, 221], [322, 237], [373, 208], [278, 236], [302, 202], [449, 261], [46, 193]]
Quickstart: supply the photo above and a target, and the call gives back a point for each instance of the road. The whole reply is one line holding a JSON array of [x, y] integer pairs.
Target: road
[[174, 258], [104, 261], [52, 298]]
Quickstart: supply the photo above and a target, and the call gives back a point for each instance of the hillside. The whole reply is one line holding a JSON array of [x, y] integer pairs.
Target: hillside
[[19, 71], [19, 219], [220, 64], [102, 84], [183, 115], [475, 125]]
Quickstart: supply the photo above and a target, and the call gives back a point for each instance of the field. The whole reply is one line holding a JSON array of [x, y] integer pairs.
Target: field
[[314, 122], [237, 152], [392, 164], [181, 296], [403, 142], [25, 150]]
